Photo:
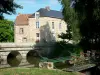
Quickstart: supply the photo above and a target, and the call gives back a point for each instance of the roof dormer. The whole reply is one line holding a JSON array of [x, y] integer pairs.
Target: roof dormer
[[37, 15]]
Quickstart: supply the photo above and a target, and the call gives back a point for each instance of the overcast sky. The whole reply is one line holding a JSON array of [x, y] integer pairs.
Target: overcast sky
[[30, 6]]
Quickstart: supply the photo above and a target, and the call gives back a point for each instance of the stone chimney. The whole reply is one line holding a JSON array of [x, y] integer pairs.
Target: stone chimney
[[48, 8], [19, 13]]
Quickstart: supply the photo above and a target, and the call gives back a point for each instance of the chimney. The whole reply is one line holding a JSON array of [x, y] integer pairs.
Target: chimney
[[47, 8], [19, 13]]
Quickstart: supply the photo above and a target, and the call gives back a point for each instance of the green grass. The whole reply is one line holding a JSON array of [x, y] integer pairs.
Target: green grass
[[35, 71]]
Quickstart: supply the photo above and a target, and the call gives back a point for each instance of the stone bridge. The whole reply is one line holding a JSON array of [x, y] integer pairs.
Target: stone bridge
[[14, 55]]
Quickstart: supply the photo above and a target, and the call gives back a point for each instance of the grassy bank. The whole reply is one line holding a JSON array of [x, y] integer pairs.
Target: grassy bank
[[35, 71]]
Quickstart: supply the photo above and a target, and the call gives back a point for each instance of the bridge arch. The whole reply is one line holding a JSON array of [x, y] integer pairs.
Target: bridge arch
[[33, 57], [14, 58]]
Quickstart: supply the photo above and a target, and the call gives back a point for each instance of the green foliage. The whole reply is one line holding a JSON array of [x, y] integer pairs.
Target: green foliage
[[77, 50], [88, 17], [70, 17], [6, 31], [66, 35], [34, 71], [59, 48], [63, 48], [8, 7], [83, 19]]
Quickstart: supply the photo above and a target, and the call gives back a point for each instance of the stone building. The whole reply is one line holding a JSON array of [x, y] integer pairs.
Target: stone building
[[42, 26]]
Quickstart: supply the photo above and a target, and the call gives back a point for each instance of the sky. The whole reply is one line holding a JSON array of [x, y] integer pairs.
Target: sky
[[31, 6]]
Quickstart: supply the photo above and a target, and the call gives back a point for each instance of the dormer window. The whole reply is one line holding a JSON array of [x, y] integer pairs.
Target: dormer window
[[37, 15]]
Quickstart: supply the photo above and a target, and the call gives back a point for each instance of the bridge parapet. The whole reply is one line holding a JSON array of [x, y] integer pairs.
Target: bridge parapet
[[17, 45], [22, 53]]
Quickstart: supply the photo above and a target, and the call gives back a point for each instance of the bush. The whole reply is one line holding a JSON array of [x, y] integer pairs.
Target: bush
[[62, 49]]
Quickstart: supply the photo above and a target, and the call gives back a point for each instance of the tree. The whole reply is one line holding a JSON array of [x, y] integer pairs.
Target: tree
[[64, 48], [8, 7], [6, 27], [70, 17], [66, 35], [89, 16], [6, 31], [85, 16]]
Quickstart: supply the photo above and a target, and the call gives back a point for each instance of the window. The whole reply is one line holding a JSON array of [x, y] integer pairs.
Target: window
[[24, 39], [37, 15], [59, 25], [37, 35], [52, 25], [53, 36], [37, 41], [37, 24], [21, 30]]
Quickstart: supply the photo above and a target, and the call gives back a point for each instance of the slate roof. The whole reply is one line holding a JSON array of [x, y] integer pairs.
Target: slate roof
[[22, 19], [48, 13]]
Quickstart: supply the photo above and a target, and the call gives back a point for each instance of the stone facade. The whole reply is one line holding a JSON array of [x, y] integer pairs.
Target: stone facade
[[47, 30]]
